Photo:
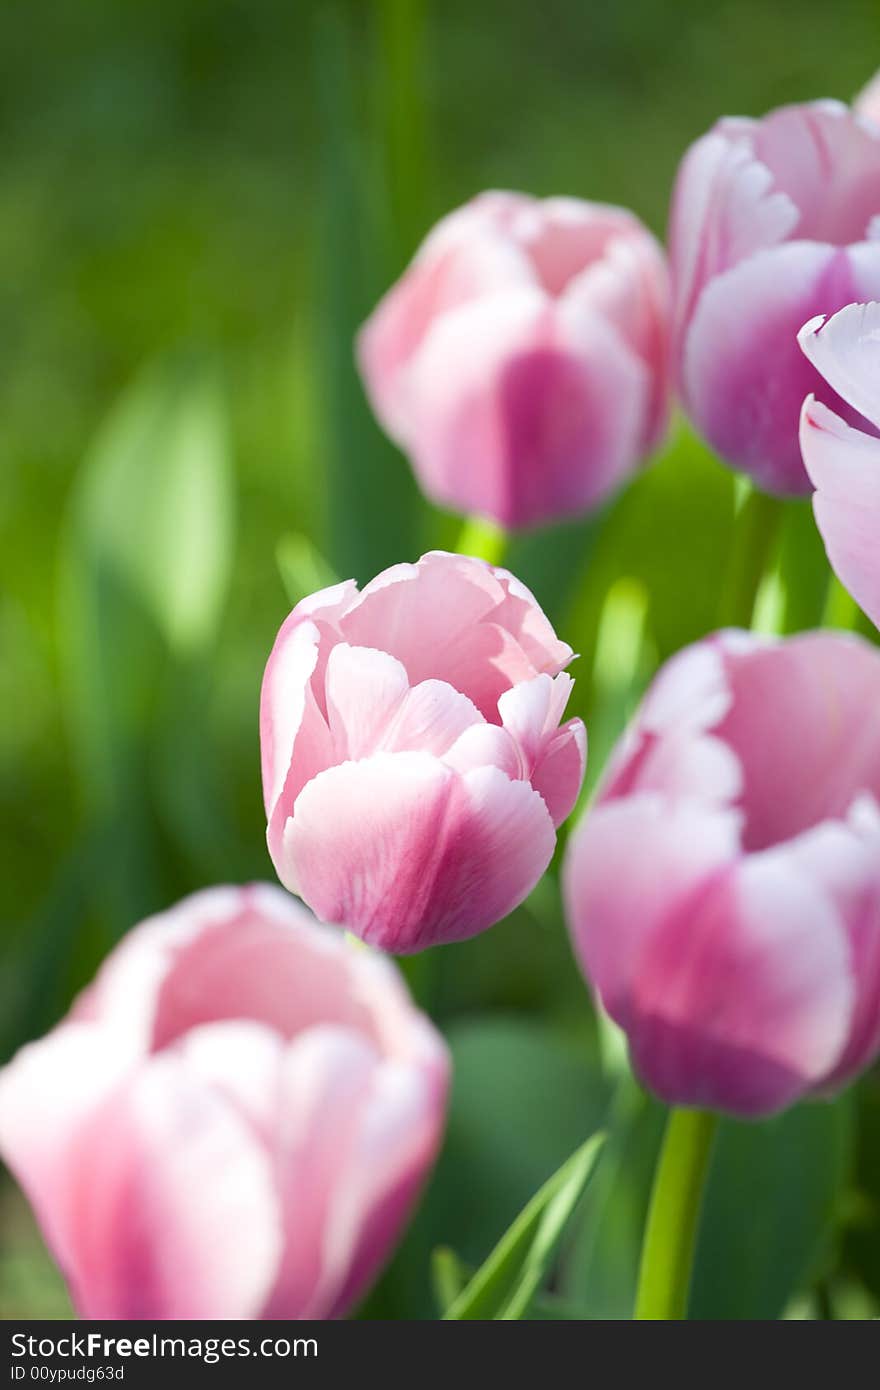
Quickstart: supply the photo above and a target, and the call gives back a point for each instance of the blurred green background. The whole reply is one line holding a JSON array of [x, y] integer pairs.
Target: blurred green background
[[199, 204]]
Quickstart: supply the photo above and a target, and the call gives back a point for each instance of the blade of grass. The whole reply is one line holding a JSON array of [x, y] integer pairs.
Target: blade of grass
[[504, 1286]]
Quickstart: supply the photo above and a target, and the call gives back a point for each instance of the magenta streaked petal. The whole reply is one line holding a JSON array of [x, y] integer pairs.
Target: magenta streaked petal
[[429, 855]]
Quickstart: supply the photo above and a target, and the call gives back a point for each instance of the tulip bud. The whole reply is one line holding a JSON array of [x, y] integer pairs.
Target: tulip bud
[[521, 360], [232, 1122], [414, 765], [723, 894]]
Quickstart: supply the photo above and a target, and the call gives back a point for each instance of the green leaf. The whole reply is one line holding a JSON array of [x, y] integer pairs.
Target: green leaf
[[768, 1213], [600, 1265], [448, 1276], [155, 499], [504, 1286], [147, 557]]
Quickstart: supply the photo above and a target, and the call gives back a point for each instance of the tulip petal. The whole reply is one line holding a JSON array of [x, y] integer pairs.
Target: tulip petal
[[371, 707], [431, 603], [323, 1087], [356, 1129], [746, 401], [292, 726], [531, 712], [392, 1149], [178, 1215], [485, 745], [743, 997], [427, 854], [683, 764], [246, 953], [564, 236], [843, 860], [430, 720], [553, 759], [51, 1098], [526, 410], [629, 287], [845, 350], [520, 614], [798, 728], [455, 619], [364, 690], [241, 1060], [844, 466], [828, 162], [725, 208], [630, 865], [690, 692], [282, 702], [275, 965], [670, 747], [558, 775], [448, 272]]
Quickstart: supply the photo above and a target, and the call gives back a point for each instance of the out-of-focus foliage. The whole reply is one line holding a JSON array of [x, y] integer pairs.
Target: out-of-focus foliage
[[198, 206]]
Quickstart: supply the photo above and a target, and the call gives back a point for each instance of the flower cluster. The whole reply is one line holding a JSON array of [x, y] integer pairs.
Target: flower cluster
[[236, 1117]]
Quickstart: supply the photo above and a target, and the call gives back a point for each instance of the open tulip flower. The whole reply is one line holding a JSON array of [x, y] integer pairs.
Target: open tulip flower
[[414, 764], [773, 221], [232, 1122], [724, 892], [844, 462], [522, 359]]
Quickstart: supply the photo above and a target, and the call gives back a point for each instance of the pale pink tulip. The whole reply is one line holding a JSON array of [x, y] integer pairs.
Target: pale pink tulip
[[723, 894], [773, 221], [232, 1122], [414, 764], [843, 462], [521, 361]]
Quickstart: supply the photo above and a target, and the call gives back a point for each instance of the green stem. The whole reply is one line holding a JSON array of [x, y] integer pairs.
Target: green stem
[[755, 534], [673, 1216], [841, 609], [482, 539]]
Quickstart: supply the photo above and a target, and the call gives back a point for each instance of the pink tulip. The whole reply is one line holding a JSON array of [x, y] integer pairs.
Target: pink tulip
[[521, 361], [773, 221], [233, 1120], [724, 893], [414, 765], [843, 462]]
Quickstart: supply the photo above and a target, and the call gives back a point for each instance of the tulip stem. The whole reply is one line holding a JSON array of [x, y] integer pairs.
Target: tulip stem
[[756, 532], [673, 1216], [482, 539]]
